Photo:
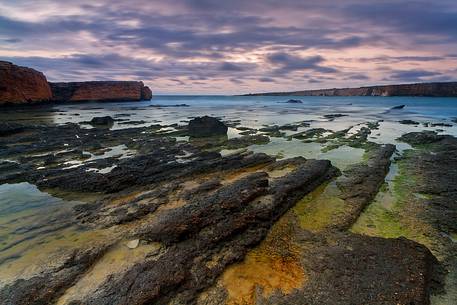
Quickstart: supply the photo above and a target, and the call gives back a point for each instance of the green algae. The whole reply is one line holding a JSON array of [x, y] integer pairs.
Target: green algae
[[320, 209], [385, 217], [397, 211], [381, 220]]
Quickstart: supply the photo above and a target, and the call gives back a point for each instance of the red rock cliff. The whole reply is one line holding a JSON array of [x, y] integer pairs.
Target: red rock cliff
[[100, 91], [19, 85]]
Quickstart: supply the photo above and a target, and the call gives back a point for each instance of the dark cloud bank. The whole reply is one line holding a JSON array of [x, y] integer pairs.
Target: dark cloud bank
[[224, 45]]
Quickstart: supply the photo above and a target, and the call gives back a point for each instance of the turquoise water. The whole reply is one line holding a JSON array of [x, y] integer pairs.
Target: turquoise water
[[254, 111], [257, 111]]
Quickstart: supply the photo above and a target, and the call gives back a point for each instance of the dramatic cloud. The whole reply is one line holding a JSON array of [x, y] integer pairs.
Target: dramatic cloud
[[206, 46], [413, 75], [288, 63]]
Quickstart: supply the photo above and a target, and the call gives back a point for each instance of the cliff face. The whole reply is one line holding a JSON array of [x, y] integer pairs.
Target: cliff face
[[100, 91], [20, 85], [424, 89]]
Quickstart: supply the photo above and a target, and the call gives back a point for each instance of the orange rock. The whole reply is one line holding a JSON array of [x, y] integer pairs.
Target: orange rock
[[100, 91], [20, 85]]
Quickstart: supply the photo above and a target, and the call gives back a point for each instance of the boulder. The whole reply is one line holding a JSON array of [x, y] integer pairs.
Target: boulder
[[206, 127], [102, 121], [21, 85]]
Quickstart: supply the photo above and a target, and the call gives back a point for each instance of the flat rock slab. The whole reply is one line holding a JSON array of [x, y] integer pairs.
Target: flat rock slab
[[349, 269]]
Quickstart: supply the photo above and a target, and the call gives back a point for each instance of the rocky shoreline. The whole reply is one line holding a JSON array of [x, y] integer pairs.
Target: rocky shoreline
[[178, 222], [24, 86]]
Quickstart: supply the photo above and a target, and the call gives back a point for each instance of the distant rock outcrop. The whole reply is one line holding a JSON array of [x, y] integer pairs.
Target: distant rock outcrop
[[105, 91], [294, 102], [447, 89], [20, 85]]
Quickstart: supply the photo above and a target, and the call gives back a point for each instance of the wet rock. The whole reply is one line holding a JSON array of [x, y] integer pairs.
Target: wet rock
[[424, 137], [331, 265], [215, 226], [292, 101], [291, 127], [102, 121], [46, 287], [10, 128], [367, 262], [165, 106], [246, 141], [428, 124], [334, 116], [429, 195], [310, 133], [208, 233], [409, 122], [127, 122], [360, 184], [206, 126]]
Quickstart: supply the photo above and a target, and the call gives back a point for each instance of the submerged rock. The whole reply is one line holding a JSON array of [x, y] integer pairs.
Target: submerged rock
[[292, 101], [409, 122], [206, 127], [165, 106], [334, 116]]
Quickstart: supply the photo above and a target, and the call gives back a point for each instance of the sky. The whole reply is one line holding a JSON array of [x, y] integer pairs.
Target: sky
[[233, 46]]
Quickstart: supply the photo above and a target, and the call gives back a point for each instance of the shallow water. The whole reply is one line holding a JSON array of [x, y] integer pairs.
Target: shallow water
[[32, 220]]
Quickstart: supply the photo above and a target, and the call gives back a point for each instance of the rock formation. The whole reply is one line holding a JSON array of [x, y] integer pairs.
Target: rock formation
[[20, 85], [206, 126], [103, 91], [180, 217], [422, 89]]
